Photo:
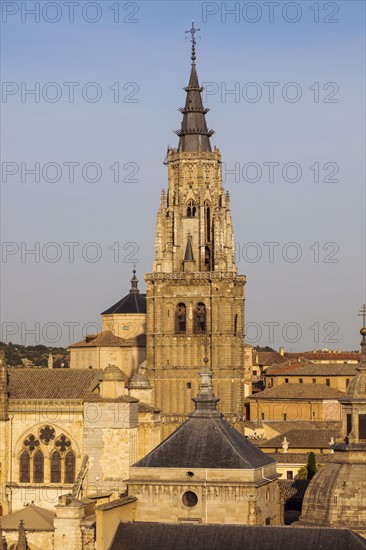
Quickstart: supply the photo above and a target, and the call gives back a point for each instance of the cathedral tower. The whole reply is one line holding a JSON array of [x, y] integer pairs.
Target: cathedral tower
[[195, 299]]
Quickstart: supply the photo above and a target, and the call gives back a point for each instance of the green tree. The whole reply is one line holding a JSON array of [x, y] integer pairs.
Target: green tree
[[311, 466]]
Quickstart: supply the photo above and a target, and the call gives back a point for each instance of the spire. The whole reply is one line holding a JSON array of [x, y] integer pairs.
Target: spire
[[194, 134], [134, 281], [206, 402], [3, 543], [22, 538]]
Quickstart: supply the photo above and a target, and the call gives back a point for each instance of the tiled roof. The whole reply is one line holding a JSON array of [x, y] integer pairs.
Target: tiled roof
[[34, 517], [108, 339], [165, 536], [323, 356], [133, 302], [299, 458], [203, 442], [268, 357], [51, 383], [302, 439], [299, 391], [293, 489], [145, 407], [314, 369], [283, 426]]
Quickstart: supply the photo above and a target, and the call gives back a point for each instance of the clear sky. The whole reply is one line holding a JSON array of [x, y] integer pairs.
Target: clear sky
[[108, 77]]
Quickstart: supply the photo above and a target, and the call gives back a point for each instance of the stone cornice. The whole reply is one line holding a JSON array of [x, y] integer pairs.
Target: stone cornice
[[209, 275]]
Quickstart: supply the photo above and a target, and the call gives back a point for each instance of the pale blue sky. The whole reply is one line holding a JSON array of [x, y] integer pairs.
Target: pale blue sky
[[154, 54]]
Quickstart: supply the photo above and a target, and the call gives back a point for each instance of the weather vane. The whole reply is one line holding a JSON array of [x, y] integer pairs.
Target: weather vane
[[363, 315], [193, 31]]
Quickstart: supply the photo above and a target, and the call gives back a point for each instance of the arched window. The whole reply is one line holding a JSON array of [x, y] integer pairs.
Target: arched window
[[180, 318], [70, 467], [191, 209], [38, 467], [200, 318], [207, 221], [207, 258], [24, 467], [56, 467]]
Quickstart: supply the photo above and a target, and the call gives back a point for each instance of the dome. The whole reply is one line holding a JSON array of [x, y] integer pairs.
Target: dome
[[357, 388], [336, 495], [113, 373]]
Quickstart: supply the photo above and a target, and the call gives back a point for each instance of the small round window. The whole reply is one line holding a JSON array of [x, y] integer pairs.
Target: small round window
[[190, 499]]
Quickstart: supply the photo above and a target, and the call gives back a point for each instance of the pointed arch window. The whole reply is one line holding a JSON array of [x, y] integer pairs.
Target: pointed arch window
[[207, 221], [207, 258], [70, 467], [191, 209], [180, 318], [38, 467], [56, 467], [24, 467], [200, 318]]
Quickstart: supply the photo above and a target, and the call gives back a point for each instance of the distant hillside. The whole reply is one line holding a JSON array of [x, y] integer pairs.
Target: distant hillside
[[17, 355]]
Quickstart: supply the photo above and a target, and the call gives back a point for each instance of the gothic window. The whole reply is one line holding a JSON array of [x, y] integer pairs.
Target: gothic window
[[38, 467], [208, 221], [235, 324], [191, 209], [180, 318], [47, 434], [200, 318], [70, 467], [31, 442], [63, 443], [24, 467], [56, 467], [207, 258]]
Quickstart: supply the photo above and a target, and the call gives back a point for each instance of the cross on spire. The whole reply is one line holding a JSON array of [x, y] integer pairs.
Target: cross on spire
[[363, 314], [193, 31]]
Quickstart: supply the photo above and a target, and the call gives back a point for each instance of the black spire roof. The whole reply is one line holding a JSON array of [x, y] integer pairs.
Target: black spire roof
[[194, 134], [134, 302], [205, 440]]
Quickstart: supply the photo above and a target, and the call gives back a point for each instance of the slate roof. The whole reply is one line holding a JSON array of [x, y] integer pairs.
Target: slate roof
[[108, 339], [34, 517], [299, 391], [205, 443], [314, 369], [133, 302], [302, 439], [160, 536], [51, 383]]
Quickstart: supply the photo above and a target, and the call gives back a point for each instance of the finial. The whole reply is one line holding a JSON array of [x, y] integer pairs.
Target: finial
[[193, 31], [134, 281]]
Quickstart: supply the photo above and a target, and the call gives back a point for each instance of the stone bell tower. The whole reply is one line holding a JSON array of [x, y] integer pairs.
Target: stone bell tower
[[195, 299]]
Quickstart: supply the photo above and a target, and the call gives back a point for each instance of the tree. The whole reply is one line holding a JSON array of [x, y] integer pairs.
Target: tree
[[311, 466]]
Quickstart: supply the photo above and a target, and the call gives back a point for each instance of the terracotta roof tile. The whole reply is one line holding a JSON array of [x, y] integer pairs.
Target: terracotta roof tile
[[108, 339], [299, 391], [314, 369], [51, 383], [302, 439]]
